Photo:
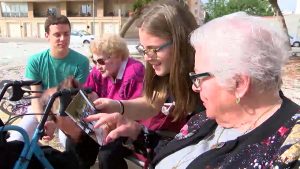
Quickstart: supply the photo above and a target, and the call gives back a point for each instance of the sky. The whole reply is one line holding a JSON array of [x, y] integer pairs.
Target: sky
[[285, 5]]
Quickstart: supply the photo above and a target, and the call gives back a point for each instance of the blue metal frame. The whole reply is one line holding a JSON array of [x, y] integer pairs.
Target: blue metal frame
[[30, 147]]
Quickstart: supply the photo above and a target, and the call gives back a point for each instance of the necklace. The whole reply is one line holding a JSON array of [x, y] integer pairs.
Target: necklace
[[252, 126], [221, 144], [218, 144], [181, 161], [184, 160]]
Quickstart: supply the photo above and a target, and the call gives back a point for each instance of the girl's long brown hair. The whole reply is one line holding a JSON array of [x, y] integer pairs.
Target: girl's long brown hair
[[172, 21]]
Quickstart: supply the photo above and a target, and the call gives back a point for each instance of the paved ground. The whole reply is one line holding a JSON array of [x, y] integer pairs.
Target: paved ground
[[15, 53], [291, 79]]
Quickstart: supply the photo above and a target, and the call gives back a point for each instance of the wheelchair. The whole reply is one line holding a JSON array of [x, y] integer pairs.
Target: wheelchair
[[30, 148]]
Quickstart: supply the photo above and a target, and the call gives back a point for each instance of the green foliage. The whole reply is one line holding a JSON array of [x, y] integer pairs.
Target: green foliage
[[138, 4], [217, 8]]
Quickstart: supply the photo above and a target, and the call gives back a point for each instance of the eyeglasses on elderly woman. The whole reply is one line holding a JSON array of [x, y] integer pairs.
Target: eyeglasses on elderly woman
[[198, 78], [101, 61], [152, 52]]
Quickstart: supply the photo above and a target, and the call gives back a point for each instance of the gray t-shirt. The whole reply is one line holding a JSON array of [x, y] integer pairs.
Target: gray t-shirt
[[182, 158]]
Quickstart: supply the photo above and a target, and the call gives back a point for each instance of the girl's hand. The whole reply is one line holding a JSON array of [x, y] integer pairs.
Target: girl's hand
[[106, 105], [115, 125]]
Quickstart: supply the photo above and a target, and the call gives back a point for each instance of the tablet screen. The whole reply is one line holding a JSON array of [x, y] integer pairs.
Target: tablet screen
[[81, 107]]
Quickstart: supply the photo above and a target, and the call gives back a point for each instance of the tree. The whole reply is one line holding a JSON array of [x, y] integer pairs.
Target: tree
[[278, 13], [138, 6], [217, 8]]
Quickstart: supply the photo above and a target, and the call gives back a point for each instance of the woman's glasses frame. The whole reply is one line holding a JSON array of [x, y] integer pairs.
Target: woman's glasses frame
[[198, 78], [101, 61], [152, 52]]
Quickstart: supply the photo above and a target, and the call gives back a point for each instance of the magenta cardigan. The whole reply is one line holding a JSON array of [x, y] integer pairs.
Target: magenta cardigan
[[128, 85]]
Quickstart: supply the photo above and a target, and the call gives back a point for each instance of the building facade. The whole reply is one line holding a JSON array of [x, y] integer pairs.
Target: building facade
[[25, 18]]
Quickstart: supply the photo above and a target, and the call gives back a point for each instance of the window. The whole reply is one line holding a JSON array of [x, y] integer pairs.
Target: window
[[51, 12], [13, 9], [86, 10]]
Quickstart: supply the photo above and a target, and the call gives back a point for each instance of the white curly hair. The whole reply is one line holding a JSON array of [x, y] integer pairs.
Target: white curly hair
[[244, 44]]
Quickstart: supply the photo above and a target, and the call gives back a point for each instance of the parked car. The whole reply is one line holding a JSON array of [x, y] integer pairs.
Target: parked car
[[81, 36], [294, 41]]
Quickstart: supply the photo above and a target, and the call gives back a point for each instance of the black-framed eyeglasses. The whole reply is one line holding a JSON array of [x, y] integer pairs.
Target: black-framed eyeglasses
[[152, 52], [101, 61], [197, 78]]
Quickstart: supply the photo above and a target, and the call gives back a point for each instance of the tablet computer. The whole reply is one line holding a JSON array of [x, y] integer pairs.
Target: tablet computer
[[81, 107]]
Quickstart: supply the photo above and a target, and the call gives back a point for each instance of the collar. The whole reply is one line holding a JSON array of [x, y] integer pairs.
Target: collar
[[59, 57], [121, 70]]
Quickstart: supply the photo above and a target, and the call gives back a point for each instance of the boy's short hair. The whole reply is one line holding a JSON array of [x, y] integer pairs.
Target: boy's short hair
[[54, 20]]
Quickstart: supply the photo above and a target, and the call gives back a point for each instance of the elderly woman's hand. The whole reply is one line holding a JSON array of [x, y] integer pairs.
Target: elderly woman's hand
[[69, 127], [115, 125], [107, 105]]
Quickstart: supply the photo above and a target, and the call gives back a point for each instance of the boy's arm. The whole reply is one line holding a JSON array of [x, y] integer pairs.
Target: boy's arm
[[36, 105]]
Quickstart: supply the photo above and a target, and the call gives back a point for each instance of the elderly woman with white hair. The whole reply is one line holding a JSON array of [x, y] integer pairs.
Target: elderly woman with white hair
[[247, 123]]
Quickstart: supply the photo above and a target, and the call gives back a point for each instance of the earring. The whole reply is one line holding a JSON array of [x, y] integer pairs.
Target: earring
[[237, 100]]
